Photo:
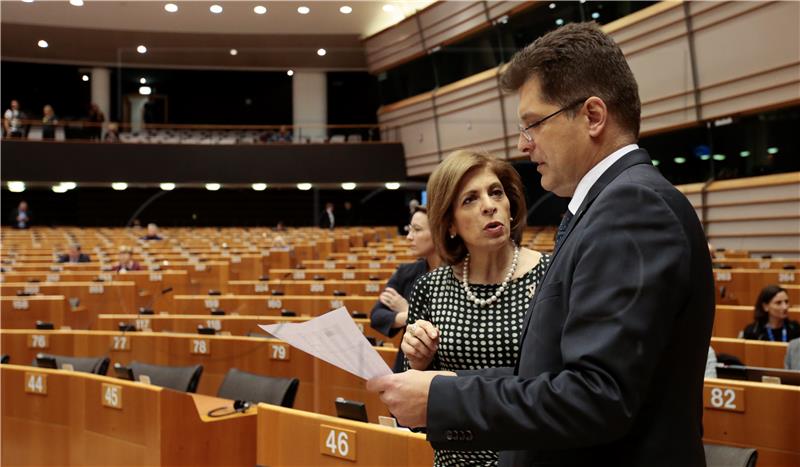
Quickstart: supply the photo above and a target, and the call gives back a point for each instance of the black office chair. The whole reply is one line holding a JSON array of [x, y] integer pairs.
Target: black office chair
[[95, 365], [240, 385], [5, 358], [729, 456], [179, 378]]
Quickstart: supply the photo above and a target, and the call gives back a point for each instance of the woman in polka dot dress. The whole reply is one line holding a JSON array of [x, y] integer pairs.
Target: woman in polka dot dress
[[468, 315]]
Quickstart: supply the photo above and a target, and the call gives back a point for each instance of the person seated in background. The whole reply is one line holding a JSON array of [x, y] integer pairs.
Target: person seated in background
[[792, 360], [21, 216], [282, 136], [390, 313], [49, 121], [112, 133], [73, 255], [327, 220], [96, 118], [126, 262], [152, 233], [771, 317]]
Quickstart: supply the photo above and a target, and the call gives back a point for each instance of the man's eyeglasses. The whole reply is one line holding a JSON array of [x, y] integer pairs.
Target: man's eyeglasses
[[524, 130]]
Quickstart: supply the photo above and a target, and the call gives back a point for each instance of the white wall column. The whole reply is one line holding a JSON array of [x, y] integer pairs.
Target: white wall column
[[310, 105], [101, 90]]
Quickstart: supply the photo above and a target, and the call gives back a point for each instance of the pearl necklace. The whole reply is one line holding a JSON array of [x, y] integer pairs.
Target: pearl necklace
[[496, 295]]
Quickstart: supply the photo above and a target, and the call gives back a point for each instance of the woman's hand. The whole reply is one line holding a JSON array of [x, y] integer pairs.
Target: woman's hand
[[420, 343], [394, 300]]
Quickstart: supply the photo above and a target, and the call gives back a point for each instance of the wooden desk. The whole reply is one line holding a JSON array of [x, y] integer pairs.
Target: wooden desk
[[23, 312], [308, 287], [752, 353], [766, 417], [70, 425], [289, 437], [742, 286], [730, 320], [344, 274], [304, 305]]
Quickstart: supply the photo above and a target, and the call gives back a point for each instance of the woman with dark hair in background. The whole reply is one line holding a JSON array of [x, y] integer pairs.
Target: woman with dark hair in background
[[771, 316], [390, 314]]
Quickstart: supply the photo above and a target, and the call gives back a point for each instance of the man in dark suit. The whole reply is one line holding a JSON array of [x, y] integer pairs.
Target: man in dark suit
[[327, 220], [73, 255], [613, 350]]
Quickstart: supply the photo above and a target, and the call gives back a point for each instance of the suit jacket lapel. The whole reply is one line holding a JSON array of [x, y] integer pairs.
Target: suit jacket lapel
[[636, 157]]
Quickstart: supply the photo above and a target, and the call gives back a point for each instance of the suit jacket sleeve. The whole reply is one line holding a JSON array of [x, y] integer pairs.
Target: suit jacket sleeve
[[630, 277], [382, 317]]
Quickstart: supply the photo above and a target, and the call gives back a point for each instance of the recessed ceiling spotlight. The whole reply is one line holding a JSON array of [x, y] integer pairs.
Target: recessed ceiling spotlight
[[145, 90], [559, 22], [595, 15], [304, 186], [290, 72], [69, 185], [141, 49], [345, 9], [85, 78], [260, 10], [213, 186], [216, 9], [76, 2], [59, 188], [42, 43], [167, 186], [392, 185], [656, 162], [259, 186], [234, 51], [679, 160], [142, 81], [303, 10], [552, 6], [27, 1], [348, 186], [119, 186], [389, 8], [321, 52], [171, 7]]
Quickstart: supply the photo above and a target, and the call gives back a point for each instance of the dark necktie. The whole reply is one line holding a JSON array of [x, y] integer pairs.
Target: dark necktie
[[562, 228]]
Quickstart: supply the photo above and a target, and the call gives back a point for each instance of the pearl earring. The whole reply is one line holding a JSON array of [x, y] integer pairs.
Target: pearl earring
[[511, 219], [452, 236]]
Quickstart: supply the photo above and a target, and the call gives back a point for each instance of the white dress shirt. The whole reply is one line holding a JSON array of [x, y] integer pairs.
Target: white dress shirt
[[591, 177]]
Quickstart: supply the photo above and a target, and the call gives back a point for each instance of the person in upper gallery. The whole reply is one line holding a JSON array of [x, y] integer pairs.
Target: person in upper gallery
[[283, 135], [125, 261], [96, 117], [21, 216], [771, 317], [49, 121], [390, 312], [614, 346], [327, 220], [12, 121], [468, 314], [152, 233], [73, 255]]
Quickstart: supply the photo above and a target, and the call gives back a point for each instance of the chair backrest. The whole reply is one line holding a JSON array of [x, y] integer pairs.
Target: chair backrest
[[729, 456], [5, 358], [241, 385], [792, 361], [96, 365], [179, 378]]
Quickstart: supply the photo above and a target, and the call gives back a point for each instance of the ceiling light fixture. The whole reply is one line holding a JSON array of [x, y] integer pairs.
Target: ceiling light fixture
[[719, 157], [679, 160], [392, 185], [43, 44], [304, 186], [59, 188], [348, 186], [16, 187], [303, 10], [145, 90], [142, 81], [321, 52], [216, 9], [290, 72], [345, 9], [260, 10], [213, 186], [27, 1], [119, 186], [744, 154], [141, 49], [85, 78], [656, 162], [168, 186], [234, 52], [69, 185], [259, 186], [171, 7], [76, 2]]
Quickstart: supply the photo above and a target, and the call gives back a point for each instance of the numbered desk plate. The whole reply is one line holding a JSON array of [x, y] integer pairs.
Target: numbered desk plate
[[337, 442]]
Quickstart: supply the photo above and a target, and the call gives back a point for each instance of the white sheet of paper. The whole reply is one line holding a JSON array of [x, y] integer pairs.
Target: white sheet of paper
[[334, 338]]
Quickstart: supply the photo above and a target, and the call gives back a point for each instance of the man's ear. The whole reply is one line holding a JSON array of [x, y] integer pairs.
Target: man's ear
[[596, 115]]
